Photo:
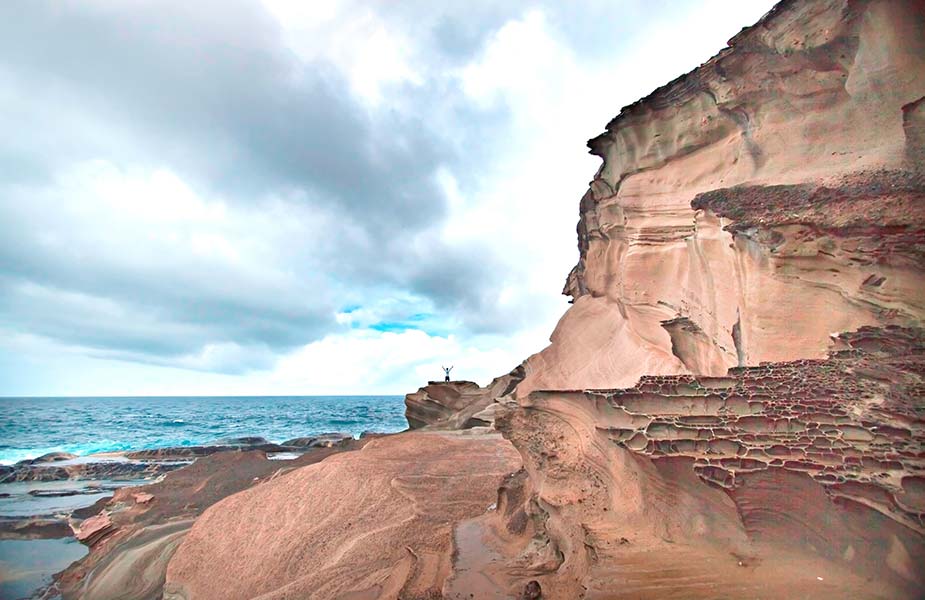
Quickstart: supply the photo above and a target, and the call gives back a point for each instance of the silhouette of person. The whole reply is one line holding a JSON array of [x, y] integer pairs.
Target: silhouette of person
[[447, 372]]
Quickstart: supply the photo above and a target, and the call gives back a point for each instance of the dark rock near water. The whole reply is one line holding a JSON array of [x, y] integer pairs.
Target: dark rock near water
[[50, 457], [325, 440], [178, 453], [118, 470], [243, 441], [33, 528], [224, 445], [147, 464], [71, 492]]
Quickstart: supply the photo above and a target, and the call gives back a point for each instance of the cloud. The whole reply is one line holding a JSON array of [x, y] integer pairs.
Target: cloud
[[199, 152], [218, 187]]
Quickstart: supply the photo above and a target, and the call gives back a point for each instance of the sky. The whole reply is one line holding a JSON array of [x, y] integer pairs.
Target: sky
[[279, 197]]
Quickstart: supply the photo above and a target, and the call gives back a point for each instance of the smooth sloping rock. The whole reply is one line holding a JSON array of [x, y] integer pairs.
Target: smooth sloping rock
[[376, 523], [146, 524]]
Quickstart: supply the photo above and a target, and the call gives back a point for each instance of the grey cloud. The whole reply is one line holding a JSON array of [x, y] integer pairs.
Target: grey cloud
[[209, 90], [209, 87]]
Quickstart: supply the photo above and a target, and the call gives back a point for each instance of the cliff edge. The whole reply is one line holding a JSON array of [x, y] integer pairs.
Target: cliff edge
[[750, 209]]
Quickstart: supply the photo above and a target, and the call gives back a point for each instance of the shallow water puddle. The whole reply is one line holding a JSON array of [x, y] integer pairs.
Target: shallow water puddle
[[27, 565], [472, 557]]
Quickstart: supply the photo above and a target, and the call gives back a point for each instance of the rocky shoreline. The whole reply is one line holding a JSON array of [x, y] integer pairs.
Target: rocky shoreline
[[96, 497]]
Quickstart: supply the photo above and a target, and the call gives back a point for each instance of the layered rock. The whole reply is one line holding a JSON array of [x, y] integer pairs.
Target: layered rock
[[817, 460], [458, 404], [133, 534], [751, 208], [740, 379], [376, 523]]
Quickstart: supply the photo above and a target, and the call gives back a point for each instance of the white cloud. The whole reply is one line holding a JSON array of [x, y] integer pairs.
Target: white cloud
[[356, 39]]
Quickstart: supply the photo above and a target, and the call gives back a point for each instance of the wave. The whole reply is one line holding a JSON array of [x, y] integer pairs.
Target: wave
[[10, 456]]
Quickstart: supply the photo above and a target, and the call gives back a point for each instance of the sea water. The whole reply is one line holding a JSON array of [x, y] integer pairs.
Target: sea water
[[30, 427]]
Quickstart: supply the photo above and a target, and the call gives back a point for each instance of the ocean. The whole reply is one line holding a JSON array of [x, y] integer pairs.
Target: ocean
[[30, 427]]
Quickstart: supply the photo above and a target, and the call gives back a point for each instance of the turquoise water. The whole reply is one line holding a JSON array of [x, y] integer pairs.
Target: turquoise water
[[30, 427]]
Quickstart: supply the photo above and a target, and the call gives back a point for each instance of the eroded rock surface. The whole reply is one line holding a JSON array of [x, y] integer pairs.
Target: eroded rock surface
[[820, 459], [739, 382], [854, 422], [376, 523], [769, 198], [133, 534], [458, 404]]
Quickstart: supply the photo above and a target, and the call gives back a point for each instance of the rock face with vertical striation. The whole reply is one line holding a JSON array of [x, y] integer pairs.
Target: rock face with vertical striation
[[740, 381]]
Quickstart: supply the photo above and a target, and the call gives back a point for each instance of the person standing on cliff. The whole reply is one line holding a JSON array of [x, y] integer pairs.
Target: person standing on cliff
[[446, 373]]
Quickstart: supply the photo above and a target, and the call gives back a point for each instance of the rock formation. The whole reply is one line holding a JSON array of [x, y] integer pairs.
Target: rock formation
[[740, 379], [375, 523], [751, 208], [133, 534], [813, 461], [458, 404]]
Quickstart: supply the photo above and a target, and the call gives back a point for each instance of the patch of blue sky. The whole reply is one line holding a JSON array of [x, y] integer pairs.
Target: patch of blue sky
[[426, 322], [393, 326]]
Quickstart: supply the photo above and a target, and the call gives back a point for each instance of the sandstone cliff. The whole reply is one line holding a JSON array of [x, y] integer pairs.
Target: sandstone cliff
[[740, 379], [750, 209]]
